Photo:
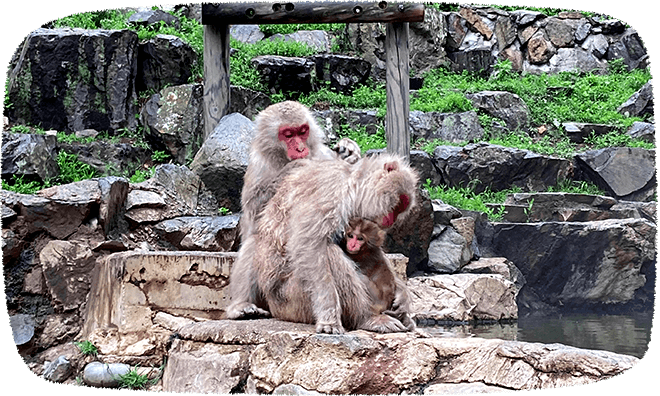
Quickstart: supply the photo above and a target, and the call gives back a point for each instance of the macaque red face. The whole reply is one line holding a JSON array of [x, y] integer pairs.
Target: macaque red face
[[362, 236], [354, 241], [295, 138]]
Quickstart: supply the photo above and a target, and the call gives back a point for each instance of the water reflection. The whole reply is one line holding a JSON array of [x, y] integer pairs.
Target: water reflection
[[626, 334]]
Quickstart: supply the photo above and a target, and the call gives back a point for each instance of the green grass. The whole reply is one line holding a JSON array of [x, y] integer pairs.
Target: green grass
[[465, 197], [270, 30], [86, 348], [133, 380]]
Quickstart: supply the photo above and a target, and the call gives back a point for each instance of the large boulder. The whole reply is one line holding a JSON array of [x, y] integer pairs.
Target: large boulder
[[318, 40], [344, 73], [173, 118], [75, 79], [607, 265], [33, 156], [223, 159], [173, 191], [462, 298], [450, 127], [285, 74], [504, 105], [209, 233], [162, 61], [624, 172], [640, 103], [61, 210], [107, 157], [499, 167]]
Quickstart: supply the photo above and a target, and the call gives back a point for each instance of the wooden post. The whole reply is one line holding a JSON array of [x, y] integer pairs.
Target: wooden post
[[398, 88], [216, 75]]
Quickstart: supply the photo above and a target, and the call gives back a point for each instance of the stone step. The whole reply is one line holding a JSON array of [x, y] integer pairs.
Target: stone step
[[129, 288]]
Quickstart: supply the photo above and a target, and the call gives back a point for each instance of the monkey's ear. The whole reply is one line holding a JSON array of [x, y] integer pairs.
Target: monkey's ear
[[380, 238], [391, 166]]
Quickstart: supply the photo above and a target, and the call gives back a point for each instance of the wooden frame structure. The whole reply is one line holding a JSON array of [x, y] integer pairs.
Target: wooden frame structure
[[216, 18]]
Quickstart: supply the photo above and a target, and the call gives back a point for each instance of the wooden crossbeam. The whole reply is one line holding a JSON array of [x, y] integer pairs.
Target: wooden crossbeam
[[310, 12], [218, 16]]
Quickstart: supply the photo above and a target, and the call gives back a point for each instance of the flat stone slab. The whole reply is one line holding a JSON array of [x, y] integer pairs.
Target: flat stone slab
[[258, 356]]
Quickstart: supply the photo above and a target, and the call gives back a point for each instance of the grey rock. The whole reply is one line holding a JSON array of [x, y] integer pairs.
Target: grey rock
[[443, 213], [504, 105], [368, 40], [334, 122], [572, 59], [114, 191], [566, 207], [526, 17], [152, 17], [249, 34], [496, 265], [422, 162], [597, 44], [315, 39], [577, 132], [108, 157], [505, 31], [22, 328], [639, 104], [144, 199], [604, 265], [611, 26], [32, 156], [247, 102], [582, 31], [630, 48], [456, 30], [223, 158], [345, 73], [174, 120], [451, 127], [426, 42], [217, 233], [642, 130], [181, 189], [560, 32], [103, 374], [498, 167], [164, 60], [448, 250], [58, 370], [625, 173], [59, 80], [286, 74], [292, 389]]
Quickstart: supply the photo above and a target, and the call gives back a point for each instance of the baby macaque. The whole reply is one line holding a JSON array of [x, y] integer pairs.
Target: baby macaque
[[363, 241]]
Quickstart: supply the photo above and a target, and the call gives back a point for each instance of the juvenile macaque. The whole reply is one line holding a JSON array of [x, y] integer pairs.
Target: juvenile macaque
[[302, 273], [363, 241], [285, 132]]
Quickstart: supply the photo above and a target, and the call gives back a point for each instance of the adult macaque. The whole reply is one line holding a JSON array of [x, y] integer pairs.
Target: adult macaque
[[302, 273], [286, 132], [363, 241]]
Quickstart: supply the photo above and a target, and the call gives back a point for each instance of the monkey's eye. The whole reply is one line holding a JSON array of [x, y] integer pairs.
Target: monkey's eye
[[360, 238], [349, 235], [303, 130]]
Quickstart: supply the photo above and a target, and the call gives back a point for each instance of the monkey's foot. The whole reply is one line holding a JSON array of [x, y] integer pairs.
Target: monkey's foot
[[348, 150], [329, 328], [383, 324], [246, 310]]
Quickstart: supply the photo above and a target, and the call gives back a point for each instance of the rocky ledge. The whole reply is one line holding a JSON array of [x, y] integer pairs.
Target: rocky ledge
[[266, 355]]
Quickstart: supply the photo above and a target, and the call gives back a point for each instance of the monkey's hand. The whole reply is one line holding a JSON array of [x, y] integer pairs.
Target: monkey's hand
[[348, 150], [246, 310], [382, 324], [403, 317]]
